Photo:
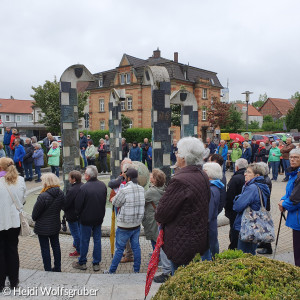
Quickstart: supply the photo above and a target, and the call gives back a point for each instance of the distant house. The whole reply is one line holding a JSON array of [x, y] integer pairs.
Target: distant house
[[277, 108], [253, 113]]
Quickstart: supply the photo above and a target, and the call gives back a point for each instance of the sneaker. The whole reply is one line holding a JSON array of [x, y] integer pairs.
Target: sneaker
[[264, 251], [285, 180], [77, 265], [26, 179], [30, 179], [38, 180], [161, 278], [107, 272], [74, 254], [96, 267]]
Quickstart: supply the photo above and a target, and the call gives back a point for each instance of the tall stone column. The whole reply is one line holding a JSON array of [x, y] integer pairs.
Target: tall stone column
[[69, 118]]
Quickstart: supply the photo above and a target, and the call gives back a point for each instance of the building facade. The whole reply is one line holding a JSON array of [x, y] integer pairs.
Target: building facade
[[137, 105], [253, 114]]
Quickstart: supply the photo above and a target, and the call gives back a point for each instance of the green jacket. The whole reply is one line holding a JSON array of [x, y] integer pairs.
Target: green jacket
[[90, 152], [236, 153], [54, 159], [275, 157]]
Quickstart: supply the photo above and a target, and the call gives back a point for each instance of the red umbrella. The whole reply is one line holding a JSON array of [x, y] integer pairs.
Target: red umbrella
[[237, 137], [153, 264]]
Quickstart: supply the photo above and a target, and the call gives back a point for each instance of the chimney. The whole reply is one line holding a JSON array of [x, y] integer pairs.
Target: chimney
[[156, 53], [176, 57]]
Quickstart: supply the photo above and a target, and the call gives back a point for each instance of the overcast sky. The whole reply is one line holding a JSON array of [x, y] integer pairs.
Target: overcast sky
[[254, 44]]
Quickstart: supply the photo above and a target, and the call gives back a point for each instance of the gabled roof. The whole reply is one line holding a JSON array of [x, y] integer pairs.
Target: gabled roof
[[252, 111], [14, 106], [283, 105]]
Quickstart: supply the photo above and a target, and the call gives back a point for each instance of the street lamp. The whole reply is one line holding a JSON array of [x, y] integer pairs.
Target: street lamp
[[247, 93]]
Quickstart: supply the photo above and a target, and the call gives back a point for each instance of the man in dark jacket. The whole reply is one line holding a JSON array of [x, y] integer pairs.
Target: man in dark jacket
[[125, 148], [90, 207], [235, 186], [183, 209], [6, 142], [28, 159], [211, 146], [254, 147], [145, 147], [83, 145], [69, 208]]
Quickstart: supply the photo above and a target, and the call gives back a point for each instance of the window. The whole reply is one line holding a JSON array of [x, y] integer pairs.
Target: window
[[30, 118], [130, 124], [102, 125], [128, 80], [185, 75], [212, 81], [122, 105], [204, 93], [100, 82], [204, 113], [18, 118], [122, 79], [7, 118], [39, 116], [101, 105], [129, 103]]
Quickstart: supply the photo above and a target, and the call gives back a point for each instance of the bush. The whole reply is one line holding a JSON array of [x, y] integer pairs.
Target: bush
[[138, 134], [96, 135], [233, 275]]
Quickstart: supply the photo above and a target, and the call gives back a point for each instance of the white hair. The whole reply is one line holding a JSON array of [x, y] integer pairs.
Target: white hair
[[265, 167], [274, 143], [241, 163], [191, 149], [37, 145], [92, 171], [247, 144], [295, 151], [213, 170], [263, 144]]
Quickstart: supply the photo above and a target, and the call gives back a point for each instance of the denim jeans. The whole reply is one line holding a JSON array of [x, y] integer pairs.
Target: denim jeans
[[85, 235], [286, 164], [247, 247], [9, 152], [84, 158], [28, 170], [275, 167], [38, 172], [207, 255], [55, 170], [224, 166], [166, 263], [75, 232], [45, 249], [122, 236], [153, 243]]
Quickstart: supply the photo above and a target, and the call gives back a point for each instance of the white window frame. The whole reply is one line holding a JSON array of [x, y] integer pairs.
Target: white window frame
[[204, 93], [30, 118], [123, 106], [122, 79], [131, 124], [18, 118], [100, 82], [7, 118], [101, 105], [102, 125], [204, 113], [129, 103], [128, 79]]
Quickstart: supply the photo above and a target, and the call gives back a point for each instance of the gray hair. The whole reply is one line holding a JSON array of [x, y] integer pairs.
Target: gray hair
[[213, 170], [241, 163], [263, 144], [295, 151], [274, 143], [92, 171], [191, 149], [262, 168], [34, 139], [37, 145]]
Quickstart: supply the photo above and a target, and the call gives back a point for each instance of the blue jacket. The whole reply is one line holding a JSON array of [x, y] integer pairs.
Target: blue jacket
[[224, 152], [149, 153], [135, 154], [293, 216], [38, 156], [246, 154], [212, 147], [83, 142], [249, 197], [7, 137], [19, 153], [215, 195]]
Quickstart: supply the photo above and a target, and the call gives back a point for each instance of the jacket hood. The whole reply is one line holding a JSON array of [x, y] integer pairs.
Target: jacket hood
[[240, 171], [237, 145], [259, 181], [217, 182], [54, 191], [160, 189]]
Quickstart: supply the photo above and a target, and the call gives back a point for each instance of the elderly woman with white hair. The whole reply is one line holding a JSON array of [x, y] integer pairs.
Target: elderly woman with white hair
[[214, 173], [291, 201], [261, 153], [46, 214], [184, 208]]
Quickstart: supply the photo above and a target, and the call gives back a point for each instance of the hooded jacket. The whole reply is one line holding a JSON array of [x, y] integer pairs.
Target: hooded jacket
[[7, 137], [246, 154], [276, 156], [250, 197], [135, 154], [292, 199], [19, 153], [236, 153], [224, 151], [46, 212], [69, 205], [260, 155], [29, 149], [38, 157]]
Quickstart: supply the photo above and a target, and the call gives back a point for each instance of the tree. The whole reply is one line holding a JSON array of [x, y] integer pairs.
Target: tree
[[176, 114], [47, 99], [296, 96], [235, 119], [125, 123], [218, 113], [261, 100], [292, 117], [253, 125], [268, 118]]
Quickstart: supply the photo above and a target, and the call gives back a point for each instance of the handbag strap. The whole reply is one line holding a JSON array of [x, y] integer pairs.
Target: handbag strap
[[260, 196], [12, 197]]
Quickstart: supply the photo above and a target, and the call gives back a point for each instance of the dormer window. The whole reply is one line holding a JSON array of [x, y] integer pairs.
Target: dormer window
[[122, 79], [185, 75], [100, 82], [128, 80]]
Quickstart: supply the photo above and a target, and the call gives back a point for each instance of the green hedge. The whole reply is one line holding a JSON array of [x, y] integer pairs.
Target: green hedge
[[96, 135], [241, 130], [138, 134], [233, 275]]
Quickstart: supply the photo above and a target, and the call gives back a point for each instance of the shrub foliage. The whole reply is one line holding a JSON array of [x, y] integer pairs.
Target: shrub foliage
[[233, 275]]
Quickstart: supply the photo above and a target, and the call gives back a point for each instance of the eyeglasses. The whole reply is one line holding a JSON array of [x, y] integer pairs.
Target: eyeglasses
[[294, 157]]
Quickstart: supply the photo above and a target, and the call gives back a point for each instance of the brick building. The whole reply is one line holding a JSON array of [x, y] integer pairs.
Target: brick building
[[277, 108], [128, 75]]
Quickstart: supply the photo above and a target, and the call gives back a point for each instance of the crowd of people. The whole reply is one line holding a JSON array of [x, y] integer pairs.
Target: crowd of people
[[186, 208]]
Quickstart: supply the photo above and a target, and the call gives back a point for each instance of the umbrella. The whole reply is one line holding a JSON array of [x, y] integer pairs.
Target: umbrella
[[237, 137], [154, 260], [112, 226]]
